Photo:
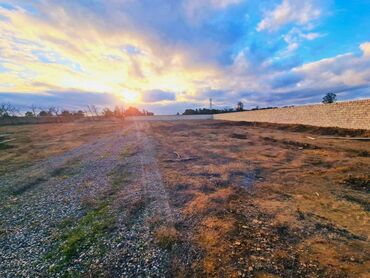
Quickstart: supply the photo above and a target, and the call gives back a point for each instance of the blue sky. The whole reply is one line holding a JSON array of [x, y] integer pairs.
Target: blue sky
[[166, 56]]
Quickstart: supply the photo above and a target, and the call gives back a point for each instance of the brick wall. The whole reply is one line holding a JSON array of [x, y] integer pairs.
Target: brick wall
[[351, 114]]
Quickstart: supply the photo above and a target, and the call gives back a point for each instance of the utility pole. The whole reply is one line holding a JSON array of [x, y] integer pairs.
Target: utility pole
[[210, 103]]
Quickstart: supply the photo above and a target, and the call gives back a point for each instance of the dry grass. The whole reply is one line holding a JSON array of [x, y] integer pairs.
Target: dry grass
[[166, 236], [266, 200], [260, 200], [36, 142]]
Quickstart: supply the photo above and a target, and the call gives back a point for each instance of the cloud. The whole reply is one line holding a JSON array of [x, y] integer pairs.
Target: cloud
[[157, 96], [285, 80], [342, 70], [196, 11], [295, 37], [169, 52], [365, 47], [289, 11], [70, 99]]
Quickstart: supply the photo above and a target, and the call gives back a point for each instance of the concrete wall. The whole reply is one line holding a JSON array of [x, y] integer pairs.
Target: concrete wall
[[351, 114], [170, 118]]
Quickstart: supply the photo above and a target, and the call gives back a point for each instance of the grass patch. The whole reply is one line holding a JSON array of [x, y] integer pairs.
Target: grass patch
[[70, 168], [5, 146], [119, 176], [88, 234], [89, 231], [28, 185], [128, 151], [360, 183], [238, 136], [166, 237], [365, 204]]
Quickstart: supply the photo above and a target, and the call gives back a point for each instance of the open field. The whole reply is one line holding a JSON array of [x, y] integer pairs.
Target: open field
[[183, 199]]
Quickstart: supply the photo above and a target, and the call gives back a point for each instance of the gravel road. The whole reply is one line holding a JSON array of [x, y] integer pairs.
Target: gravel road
[[39, 198]]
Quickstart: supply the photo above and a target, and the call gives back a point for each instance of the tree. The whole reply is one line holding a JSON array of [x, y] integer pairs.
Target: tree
[[44, 113], [118, 112], [29, 114], [34, 110], [329, 98], [107, 112], [66, 113], [240, 106], [54, 110], [7, 110], [79, 114], [133, 111]]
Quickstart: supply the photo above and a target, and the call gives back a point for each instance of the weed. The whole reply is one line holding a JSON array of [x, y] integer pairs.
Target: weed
[[238, 136], [362, 202], [166, 236], [361, 183], [118, 176], [88, 232], [128, 151]]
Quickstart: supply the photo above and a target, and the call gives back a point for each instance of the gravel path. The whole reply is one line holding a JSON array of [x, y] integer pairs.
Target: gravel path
[[30, 218]]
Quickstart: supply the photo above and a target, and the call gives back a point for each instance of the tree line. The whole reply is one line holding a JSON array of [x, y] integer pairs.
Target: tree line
[[205, 111], [8, 110]]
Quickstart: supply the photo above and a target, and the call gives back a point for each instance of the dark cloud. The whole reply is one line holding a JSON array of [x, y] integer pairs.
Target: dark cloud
[[157, 96], [286, 80]]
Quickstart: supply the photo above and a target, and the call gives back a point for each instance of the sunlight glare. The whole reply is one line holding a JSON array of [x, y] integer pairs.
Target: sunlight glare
[[130, 97]]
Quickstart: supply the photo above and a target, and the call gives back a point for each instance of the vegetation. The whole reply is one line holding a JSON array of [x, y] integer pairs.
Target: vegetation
[[240, 106], [166, 236], [206, 111], [329, 98], [276, 196], [90, 230], [7, 110]]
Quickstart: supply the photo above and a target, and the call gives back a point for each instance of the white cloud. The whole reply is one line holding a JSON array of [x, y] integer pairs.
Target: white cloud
[[289, 11], [295, 37], [342, 70], [365, 47]]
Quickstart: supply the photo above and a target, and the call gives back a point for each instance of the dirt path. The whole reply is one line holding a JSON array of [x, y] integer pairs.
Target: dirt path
[[52, 207]]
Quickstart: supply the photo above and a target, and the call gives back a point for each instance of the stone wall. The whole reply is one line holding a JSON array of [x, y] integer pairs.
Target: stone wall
[[351, 114]]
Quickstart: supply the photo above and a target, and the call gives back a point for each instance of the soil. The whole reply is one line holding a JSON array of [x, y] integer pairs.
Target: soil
[[252, 200]]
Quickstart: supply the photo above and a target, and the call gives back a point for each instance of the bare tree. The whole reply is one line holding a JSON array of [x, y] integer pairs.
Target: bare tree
[[54, 110], [34, 110], [95, 111], [8, 110]]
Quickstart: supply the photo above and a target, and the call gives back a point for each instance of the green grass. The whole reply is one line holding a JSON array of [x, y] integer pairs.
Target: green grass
[[119, 176], [89, 231], [76, 236]]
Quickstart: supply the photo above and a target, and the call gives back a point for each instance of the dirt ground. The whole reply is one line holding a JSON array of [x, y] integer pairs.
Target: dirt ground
[[184, 199]]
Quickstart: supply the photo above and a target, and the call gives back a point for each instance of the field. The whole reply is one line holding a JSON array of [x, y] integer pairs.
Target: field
[[184, 199]]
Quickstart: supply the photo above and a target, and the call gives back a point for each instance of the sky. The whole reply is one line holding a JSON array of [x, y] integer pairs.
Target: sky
[[169, 55]]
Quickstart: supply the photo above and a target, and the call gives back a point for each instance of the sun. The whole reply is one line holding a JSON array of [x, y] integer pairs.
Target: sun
[[130, 97]]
